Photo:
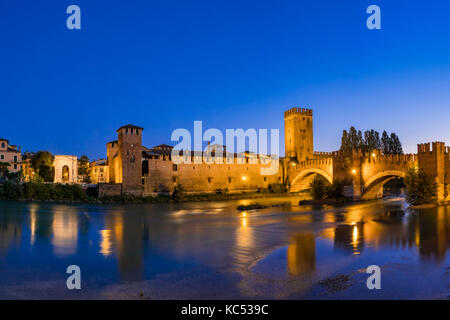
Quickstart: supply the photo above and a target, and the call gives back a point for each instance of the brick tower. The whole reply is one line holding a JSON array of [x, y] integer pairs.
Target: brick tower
[[434, 162], [298, 134], [130, 159]]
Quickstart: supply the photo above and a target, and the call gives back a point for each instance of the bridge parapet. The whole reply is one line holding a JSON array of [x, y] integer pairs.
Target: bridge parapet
[[313, 163], [390, 158]]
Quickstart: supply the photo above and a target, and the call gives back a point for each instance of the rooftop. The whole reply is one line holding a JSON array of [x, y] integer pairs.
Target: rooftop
[[132, 126]]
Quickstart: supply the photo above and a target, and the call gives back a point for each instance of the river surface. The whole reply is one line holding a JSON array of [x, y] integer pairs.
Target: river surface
[[210, 250]]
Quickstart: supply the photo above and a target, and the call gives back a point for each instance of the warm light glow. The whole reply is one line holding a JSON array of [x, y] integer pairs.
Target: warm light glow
[[105, 242], [244, 214], [293, 164], [353, 171], [374, 155], [355, 234], [244, 178]]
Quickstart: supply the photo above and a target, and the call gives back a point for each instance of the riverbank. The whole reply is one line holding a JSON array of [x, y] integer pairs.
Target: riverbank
[[74, 193], [127, 199]]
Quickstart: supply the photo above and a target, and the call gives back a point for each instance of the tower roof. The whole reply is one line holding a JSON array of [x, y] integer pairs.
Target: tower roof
[[132, 126]]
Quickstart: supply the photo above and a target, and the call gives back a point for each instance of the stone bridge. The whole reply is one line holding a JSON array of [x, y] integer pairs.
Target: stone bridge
[[364, 174]]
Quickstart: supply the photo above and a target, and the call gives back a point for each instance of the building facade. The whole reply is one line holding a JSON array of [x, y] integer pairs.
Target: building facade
[[10, 154], [99, 171], [66, 169]]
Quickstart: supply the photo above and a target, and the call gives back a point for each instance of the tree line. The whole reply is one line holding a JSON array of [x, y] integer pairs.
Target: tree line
[[370, 140]]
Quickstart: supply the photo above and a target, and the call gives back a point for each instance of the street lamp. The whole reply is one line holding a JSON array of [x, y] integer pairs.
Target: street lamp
[[353, 171]]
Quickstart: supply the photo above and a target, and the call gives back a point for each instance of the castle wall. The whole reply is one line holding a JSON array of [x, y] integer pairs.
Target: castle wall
[[164, 175], [112, 148], [434, 161], [109, 190]]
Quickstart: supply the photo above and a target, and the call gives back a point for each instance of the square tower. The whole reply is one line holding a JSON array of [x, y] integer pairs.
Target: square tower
[[130, 159], [298, 134]]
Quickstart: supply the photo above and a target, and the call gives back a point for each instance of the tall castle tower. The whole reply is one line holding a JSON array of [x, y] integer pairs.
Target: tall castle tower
[[434, 160], [298, 134], [130, 159]]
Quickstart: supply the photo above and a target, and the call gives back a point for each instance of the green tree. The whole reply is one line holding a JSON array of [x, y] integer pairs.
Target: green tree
[[395, 145], [4, 167], [84, 169], [345, 142], [420, 187], [354, 139], [319, 187], [42, 164], [371, 140], [178, 192]]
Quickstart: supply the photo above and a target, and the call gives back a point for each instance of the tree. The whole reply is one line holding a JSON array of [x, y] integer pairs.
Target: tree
[[395, 145], [4, 167], [352, 140], [84, 169], [372, 140], [345, 142], [319, 188], [420, 187], [42, 164]]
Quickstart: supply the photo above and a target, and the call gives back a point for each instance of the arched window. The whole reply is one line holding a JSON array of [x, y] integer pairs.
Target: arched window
[[65, 173]]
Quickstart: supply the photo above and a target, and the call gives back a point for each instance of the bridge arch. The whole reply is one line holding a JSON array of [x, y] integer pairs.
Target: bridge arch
[[373, 187], [304, 177]]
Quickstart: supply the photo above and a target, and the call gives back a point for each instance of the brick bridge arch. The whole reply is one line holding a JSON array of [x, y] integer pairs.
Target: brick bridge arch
[[373, 188], [364, 175], [303, 173]]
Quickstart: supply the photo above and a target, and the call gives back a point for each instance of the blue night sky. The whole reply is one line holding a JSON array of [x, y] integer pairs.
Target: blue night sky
[[231, 64]]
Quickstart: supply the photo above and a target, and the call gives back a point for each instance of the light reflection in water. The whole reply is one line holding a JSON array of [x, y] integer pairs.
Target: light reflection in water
[[105, 242], [301, 254], [136, 237], [65, 232]]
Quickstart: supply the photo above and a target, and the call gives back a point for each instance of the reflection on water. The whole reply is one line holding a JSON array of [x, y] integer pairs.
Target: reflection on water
[[139, 242], [349, 238], [301, 254]]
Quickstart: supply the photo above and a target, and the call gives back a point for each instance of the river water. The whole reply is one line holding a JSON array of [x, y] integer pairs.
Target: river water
[[210, 250]]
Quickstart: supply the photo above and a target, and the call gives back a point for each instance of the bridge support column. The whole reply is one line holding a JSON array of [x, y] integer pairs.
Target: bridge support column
[[353, 191]]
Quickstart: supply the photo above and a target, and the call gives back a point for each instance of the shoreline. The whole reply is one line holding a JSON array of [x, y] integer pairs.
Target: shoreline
[[204, 197]]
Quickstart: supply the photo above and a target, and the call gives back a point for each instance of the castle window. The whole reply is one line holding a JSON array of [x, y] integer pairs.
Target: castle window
[[2, 157], [279, 178], [229, 180], [15, 166], [265, 179], [131, 130], [209, 179], [193, 168], [15, 158], [174, 179], [3, 144], [175, 167]]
